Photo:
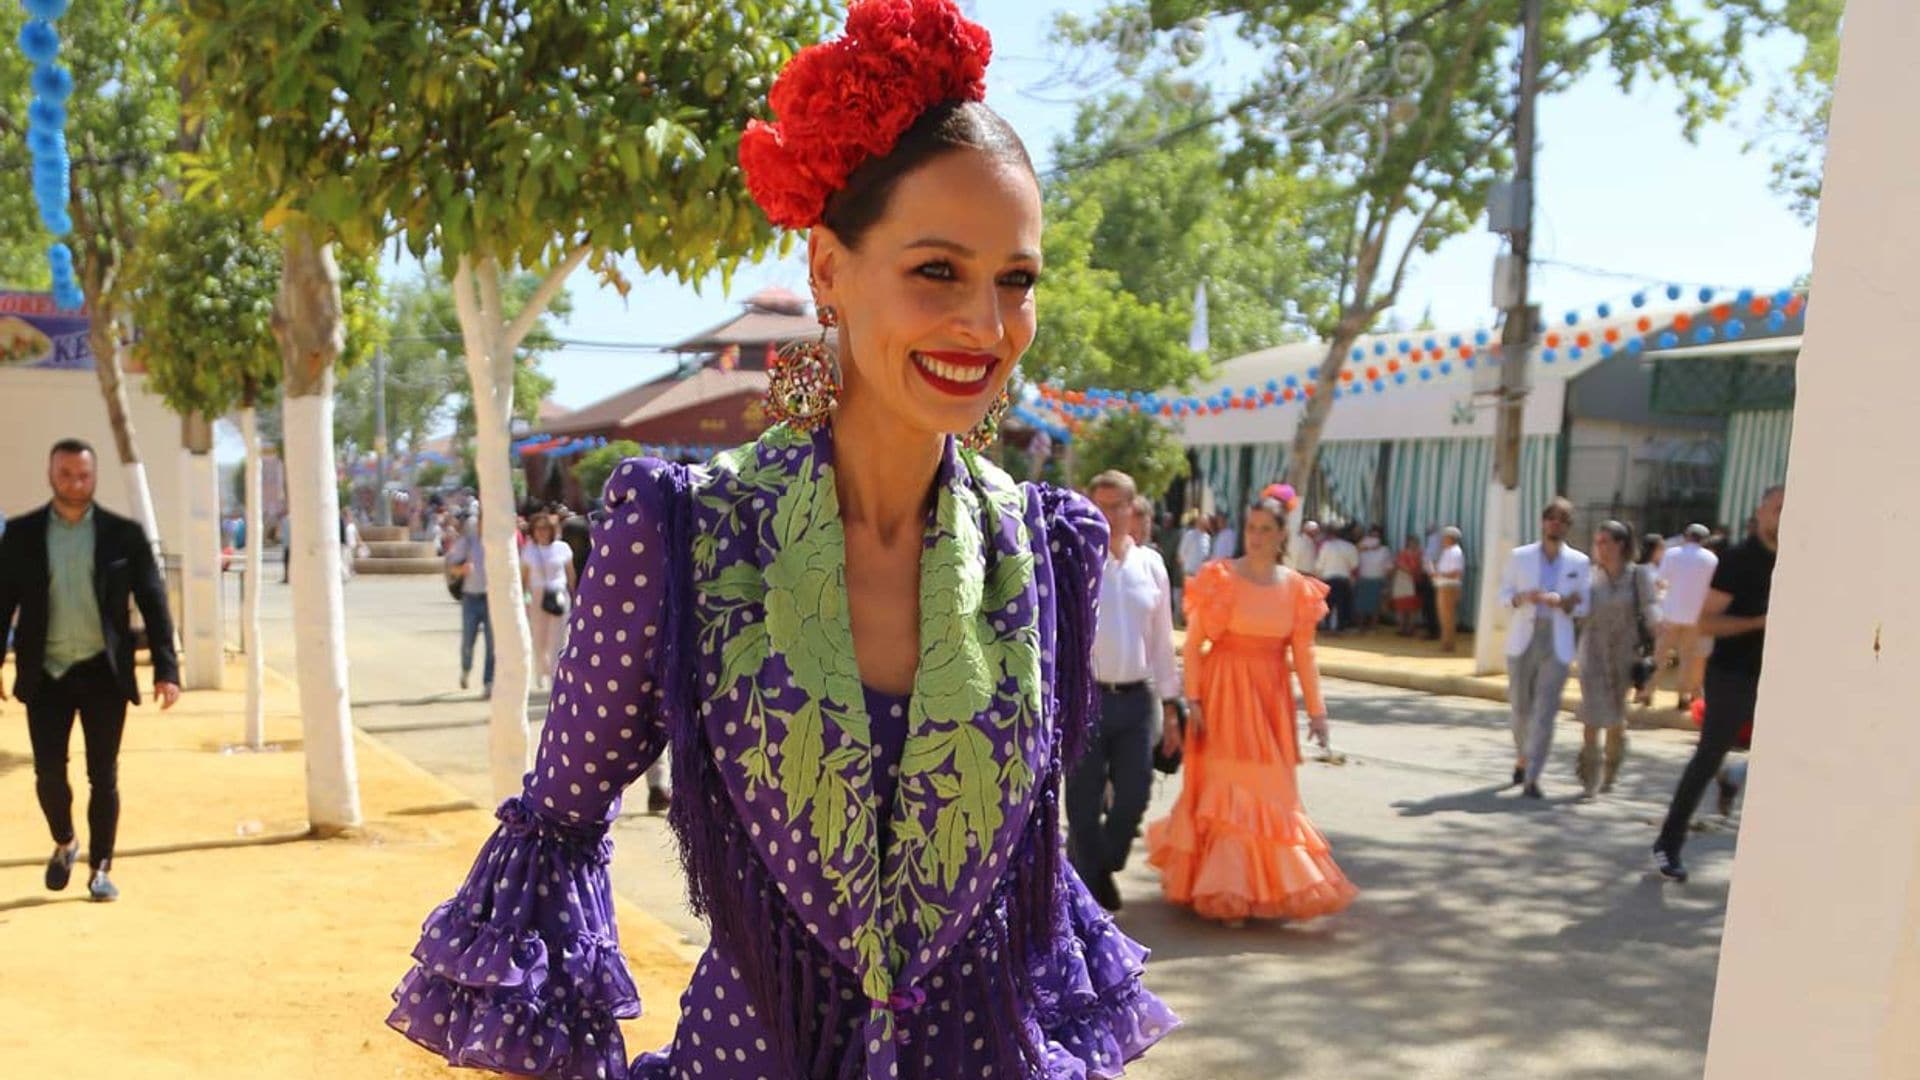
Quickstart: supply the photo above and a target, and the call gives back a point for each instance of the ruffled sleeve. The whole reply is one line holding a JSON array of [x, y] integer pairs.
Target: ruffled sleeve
[[1093, 1012], [1309, 607], [521, 971], [1092, 1006], [1208, 606]]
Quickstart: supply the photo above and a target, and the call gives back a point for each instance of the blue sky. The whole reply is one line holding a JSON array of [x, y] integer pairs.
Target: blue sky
[[1619, 189]]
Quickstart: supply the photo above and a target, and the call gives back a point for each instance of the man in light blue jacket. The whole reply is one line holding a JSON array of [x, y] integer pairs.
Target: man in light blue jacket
[[1547, 585]]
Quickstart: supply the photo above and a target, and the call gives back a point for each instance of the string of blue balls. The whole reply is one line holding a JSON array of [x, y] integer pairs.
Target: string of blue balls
[[47, 142]]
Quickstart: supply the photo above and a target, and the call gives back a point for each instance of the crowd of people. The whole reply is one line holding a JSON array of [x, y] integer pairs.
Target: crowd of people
[[1253, 600]]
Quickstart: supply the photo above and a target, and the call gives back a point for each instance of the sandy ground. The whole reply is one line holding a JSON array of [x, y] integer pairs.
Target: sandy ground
[[239, 947]]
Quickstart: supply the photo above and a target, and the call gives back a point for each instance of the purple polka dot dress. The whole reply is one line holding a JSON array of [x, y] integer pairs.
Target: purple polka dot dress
[[882, 874]]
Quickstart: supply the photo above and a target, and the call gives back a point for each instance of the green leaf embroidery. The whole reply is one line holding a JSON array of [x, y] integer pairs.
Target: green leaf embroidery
[[741, 657], [1011, 574], [800, 753], [741, 581], [926, 755], [979, 797], [830, 813]]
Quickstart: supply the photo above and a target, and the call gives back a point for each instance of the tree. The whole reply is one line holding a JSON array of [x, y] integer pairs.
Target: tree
[[1133, 225], [595, 466], [201, 285], [1798, 108], [426, 382], [122, 122], [502, 144], [1136, 444], [1403, 109]]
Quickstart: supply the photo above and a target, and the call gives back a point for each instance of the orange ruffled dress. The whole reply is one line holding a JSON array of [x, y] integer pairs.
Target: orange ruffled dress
[[1238, 843]]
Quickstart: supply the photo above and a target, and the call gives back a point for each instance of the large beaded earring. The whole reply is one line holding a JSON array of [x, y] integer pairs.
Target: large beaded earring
[[983, 434], [804, 386]]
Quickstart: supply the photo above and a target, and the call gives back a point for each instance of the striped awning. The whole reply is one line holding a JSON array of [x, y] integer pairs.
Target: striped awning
[[1757, 444], [1444, 482], [1351, 469], [1269, 467]]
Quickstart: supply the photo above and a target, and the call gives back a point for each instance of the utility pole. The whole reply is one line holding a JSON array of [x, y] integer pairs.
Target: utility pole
[[383, 506], [1512, 214], [1516, 341]]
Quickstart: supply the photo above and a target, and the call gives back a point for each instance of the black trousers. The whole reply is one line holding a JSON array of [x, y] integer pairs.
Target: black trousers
[[1339, 603], [90, 690], [1730, 701], [1119, 753], [1429, 605]]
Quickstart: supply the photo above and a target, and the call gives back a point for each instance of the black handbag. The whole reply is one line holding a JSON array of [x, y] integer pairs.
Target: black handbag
[[554, 601]]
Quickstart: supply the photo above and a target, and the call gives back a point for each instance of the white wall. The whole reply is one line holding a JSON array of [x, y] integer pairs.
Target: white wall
[[1403, 412], [1820, 964], [39, 407]]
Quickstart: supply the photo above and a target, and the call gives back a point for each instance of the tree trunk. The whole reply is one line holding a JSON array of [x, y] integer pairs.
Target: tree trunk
[[1313, 418], [251, 580], [308, 326], [201, 618], [109, 366], [483, 331]]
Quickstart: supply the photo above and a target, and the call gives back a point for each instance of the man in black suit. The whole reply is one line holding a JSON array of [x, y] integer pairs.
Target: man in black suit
[[70, 569]]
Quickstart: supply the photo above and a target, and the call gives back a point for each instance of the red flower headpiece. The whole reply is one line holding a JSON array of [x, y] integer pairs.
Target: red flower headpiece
[[841, 102]]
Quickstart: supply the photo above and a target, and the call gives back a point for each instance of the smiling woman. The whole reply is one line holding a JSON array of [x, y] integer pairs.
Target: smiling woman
[[866, 648]]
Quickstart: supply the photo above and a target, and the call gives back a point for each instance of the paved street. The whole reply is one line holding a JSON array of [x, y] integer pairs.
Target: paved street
[[1493, 937]]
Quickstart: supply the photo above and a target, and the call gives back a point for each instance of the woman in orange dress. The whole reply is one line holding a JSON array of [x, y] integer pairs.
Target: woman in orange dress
[[1238, 844]]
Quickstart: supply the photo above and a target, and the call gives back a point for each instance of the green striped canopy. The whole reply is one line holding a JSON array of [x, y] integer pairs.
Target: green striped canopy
[[1756, 460]]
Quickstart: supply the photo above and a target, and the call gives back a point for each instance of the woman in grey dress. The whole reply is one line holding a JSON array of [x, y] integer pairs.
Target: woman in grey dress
[[1623, 596]]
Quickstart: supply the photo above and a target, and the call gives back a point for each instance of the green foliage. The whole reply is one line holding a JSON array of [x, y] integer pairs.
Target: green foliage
[[426, 380], [472, 130], [123, 123], [1402, 112], [1136, 444], [1131, 232], [594, 467], [1798, 108], [202, 282]]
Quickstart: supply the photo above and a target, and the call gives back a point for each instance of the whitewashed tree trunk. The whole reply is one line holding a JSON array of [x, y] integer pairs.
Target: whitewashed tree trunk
[[252, 578], [140, 499], [201, 619], [109, 366], [319, 613], [490, 340], [307, 324]]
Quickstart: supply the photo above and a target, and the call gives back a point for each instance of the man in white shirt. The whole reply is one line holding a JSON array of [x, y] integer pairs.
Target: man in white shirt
[[1376, 567], [1225, 539], [1686, 572], [1448, 573], [1337, 563], [1133, 665], [1196, 547], [1303, 550], [1548, 586]]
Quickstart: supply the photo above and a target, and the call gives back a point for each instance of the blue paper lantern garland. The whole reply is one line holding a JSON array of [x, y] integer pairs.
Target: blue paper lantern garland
[[47, 143]]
